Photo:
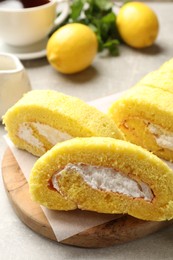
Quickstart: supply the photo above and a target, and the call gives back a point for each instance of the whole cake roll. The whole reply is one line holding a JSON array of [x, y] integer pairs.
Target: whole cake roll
[[168, 65], [161, 78], [145, 116], [105, 175], [145, 113], [43, 118]]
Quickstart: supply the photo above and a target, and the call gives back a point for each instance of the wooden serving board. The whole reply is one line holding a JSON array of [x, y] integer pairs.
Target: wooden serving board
[[123, 229]]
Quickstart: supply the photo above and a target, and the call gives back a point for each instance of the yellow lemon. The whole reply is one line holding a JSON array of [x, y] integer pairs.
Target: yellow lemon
[[137, 24], [72, 48]]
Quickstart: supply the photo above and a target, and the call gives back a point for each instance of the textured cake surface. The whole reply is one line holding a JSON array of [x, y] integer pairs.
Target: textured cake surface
[[145, 112], [161, 78], [74, 191], [43, 118]]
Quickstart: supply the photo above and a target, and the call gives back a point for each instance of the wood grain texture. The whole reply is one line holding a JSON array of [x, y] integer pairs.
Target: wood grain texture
[[121, 230]]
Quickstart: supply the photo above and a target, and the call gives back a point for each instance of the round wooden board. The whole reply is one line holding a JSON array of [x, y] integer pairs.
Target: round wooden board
[[123, 229]]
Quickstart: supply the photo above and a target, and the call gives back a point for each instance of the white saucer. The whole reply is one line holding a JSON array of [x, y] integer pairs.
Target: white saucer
[[29, 52]]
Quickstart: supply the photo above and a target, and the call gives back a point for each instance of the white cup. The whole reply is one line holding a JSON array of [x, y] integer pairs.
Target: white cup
[[14, 81], [27, 26]]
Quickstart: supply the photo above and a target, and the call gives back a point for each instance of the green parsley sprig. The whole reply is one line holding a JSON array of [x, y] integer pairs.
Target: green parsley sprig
[[99, 16]]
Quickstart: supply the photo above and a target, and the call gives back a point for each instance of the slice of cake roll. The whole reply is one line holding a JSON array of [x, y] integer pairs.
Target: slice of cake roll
[[161, 78], [145, 116], [43, 118], [105, 175]]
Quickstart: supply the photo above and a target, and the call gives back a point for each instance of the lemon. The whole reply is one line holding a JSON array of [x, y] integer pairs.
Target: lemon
[[137, 24], [72, 48]]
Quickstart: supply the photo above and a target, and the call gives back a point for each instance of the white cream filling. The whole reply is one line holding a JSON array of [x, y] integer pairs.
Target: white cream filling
[[108, 179], [52, 135], [163, 138], [25, 132]]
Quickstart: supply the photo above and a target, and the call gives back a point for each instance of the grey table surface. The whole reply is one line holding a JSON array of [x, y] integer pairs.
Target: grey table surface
[[106, 76]]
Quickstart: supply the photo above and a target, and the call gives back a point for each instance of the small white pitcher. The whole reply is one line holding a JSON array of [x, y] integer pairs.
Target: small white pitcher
[[14, 81]]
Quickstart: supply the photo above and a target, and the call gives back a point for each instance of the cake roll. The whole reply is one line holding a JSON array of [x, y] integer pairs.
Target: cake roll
[[168, 65], [104, 175], [161, 78], [145, 116], [42, 118]]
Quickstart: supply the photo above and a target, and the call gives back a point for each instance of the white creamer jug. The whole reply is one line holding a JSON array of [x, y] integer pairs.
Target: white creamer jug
[[14, 81]]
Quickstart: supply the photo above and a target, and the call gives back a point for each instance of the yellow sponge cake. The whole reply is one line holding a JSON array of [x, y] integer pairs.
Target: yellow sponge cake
[[161, 78], [104, 175], [145, 115], [43, 118], [167, 66], [145, 112]]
